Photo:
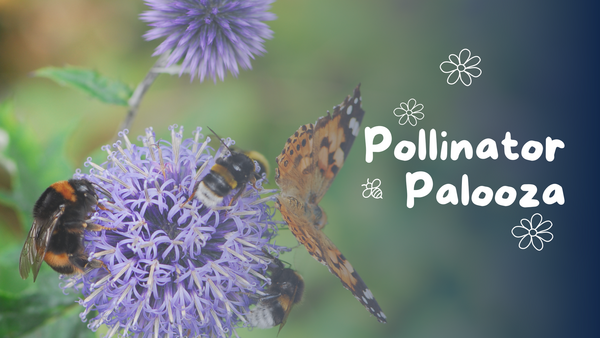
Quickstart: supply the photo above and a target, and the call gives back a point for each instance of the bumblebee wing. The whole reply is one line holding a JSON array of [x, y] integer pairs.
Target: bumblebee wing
[[36, 244], [287, 310]]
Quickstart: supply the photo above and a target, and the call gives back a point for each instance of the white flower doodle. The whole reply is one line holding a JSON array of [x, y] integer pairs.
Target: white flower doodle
[[409, 112], [461, 67], [533, 235]]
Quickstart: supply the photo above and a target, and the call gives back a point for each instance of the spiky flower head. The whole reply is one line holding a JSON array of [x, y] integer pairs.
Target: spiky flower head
[[209, 37], [177, 268]]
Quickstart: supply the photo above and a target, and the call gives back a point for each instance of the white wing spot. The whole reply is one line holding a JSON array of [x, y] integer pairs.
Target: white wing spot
[[349, 110], [364, 300], [372, 310], [382, 315], [354, 125], [368, 294], [356, 100]]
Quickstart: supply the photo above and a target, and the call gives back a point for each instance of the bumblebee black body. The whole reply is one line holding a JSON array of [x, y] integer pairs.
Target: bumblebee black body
[[225, 175], [60, 216], [286, 289]]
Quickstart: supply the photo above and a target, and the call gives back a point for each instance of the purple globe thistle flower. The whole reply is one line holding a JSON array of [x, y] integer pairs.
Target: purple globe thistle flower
[[177, 268], [211, 36]]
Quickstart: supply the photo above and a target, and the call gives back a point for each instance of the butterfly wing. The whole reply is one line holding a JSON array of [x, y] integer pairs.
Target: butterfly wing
[[312, 157], [306, 167], [333, 138], [323, 250], [36, 244]]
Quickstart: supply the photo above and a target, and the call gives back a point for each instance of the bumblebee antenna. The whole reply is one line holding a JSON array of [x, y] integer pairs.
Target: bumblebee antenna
[[220, 139], [101, 188]]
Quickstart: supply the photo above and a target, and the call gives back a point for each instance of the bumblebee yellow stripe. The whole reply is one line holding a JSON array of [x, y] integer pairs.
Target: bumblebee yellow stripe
[[223, 172]]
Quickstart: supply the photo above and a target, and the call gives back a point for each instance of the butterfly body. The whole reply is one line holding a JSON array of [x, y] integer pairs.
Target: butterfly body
[[306, 168]]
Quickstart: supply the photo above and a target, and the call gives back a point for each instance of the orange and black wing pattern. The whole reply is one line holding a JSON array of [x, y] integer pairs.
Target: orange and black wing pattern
[[306, 167]]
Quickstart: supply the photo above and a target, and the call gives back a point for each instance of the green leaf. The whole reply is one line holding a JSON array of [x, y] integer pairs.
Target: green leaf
[[89, 81]]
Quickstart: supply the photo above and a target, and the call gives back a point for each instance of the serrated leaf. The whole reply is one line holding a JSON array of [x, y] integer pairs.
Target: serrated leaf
[[90, 82]]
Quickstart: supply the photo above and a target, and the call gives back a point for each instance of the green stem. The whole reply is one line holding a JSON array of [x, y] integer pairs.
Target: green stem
[[140, 91]]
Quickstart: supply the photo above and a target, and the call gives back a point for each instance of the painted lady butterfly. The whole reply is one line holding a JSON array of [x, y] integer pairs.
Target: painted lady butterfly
[[306, 168]]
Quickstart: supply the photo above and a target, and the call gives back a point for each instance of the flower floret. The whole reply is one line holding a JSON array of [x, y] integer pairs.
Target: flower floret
[[177, 267]]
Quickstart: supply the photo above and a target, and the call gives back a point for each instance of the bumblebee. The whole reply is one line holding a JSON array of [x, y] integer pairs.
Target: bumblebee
[[286, 289], [228, 174], [265, 168], [60, 216]]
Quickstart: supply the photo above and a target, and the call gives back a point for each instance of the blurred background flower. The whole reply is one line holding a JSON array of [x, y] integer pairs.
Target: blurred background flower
[[210, 36]]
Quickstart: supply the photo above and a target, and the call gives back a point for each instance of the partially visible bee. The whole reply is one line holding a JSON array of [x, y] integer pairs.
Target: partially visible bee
[[286, 289], [60, 216], [265, 168], [226, 175]]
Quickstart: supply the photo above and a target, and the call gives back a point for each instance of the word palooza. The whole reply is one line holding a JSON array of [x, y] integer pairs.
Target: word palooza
[[486, 149]]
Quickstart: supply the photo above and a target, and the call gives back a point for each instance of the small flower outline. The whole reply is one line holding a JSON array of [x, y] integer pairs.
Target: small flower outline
[[409, 112], [531, 235], [461, 66]]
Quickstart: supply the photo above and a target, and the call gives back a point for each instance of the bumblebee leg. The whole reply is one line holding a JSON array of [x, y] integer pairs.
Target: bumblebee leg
[[192, 195], [96, 264], [88, 225], [237, 195], [189, 199], [259, 298], [79, 261]]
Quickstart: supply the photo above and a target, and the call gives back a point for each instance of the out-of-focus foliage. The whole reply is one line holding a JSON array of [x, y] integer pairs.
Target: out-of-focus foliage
[[36, 165], [27, 309], [38, 310], [90, 82]]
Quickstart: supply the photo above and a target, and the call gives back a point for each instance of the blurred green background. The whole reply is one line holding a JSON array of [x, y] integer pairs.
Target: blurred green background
[[436, 270]]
